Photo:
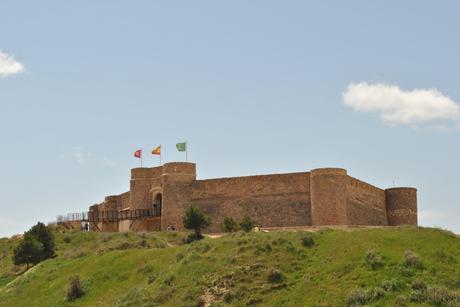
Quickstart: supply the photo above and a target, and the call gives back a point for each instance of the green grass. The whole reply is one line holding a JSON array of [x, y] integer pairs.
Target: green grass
[[265, 269]]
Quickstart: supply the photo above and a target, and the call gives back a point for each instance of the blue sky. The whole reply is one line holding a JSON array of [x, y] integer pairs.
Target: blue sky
[[256, 87]]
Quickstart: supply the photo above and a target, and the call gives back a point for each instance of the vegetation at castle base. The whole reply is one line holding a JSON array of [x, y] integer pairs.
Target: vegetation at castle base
[[372, 267], [195, 219], [37, 245]]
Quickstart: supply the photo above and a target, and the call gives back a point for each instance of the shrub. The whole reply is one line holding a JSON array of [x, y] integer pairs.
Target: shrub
[[391, 285], [43, 234], [440, 296], [418, 292], [151, 279], [444, 257], [374, 259], [168, 280], [145, 269], [229, 225], [228, 297], [75, 289], [357, 297], [412, 260], [29, 251], [246, 224], [195, 219], [67, 239], [144, 243], [192, 237], [179, 257], [401, 301], [360, 297], [307, 240], [275, 276]]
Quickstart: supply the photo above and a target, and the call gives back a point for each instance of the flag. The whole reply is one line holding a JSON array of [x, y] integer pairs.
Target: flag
[[138, 153], [156, 150], [181, 146]]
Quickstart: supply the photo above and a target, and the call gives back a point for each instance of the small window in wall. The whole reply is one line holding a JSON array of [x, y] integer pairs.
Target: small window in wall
[[157, 205]]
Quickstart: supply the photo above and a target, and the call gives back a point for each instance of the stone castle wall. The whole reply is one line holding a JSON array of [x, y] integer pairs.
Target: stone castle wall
[[327, 196]]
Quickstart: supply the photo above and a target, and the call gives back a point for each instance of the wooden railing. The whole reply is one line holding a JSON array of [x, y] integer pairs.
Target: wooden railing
[[109, 216]]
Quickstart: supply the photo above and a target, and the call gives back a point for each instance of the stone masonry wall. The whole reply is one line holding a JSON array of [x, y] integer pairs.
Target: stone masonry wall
[[365, 204], [271, 200]]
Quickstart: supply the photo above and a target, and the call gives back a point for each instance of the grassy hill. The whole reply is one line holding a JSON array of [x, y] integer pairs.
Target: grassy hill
[[363, 266]]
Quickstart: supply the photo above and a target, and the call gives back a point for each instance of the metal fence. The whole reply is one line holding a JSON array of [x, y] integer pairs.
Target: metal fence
[[109, 216]]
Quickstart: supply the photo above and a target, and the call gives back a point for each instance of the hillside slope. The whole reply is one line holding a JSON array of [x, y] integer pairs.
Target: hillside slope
[[266, 269]]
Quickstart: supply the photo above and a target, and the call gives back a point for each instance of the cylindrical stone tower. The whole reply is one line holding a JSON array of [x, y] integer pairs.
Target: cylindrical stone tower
[[401, 206], [328, 192]]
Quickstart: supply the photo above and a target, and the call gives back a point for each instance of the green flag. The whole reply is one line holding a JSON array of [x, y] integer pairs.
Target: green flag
[[181, 146]]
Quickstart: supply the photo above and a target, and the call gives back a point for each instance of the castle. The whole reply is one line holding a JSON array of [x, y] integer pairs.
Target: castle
[[159, 196]]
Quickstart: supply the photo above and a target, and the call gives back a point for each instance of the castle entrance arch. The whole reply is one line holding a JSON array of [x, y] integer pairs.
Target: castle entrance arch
[[157, 201]]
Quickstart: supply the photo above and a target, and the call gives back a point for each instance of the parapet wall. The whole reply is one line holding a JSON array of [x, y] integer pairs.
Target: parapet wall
[[365, 204], [271, 200]]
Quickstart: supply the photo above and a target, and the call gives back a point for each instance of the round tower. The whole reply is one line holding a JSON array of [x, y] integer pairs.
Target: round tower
[[401, 206], [328, 194]]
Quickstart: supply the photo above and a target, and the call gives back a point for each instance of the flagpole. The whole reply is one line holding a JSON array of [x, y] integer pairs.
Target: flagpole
[[160, 154], [141, 157]]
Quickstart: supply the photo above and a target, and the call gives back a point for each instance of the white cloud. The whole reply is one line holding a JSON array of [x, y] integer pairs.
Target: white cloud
[[9, 65], [396, 106], [79, 156], [82, 157]]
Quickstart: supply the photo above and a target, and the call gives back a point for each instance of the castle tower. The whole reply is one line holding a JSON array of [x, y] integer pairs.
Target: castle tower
[[142, 179], [176, 180], [328, 192], [401, 206]]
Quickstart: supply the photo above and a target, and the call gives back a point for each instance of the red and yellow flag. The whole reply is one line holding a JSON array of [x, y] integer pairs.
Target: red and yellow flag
[[156, 150]]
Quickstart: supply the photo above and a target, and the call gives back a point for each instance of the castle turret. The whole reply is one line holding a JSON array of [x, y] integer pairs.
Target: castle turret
[[401, 204], [176, 180], [142, 179], [328, 188]]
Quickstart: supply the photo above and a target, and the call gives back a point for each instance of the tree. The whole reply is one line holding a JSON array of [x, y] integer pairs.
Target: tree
[[43, 235], [229, 225], [28, 251], [195, 219], [247, 224]]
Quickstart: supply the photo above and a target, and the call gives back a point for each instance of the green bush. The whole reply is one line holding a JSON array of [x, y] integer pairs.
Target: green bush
[[391, 285], [412, 260], [357, 297], [29, 251], [195, 219], [67, 239], [75, 289], [246, 224], [361, 297], [275, 276], [374, 259], [419, 291], [440, 296], [307, 240], [228, 297], [36, 245], [229, 225], [43, 235]]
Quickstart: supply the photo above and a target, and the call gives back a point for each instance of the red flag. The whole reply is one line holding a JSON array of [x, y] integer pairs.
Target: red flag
[[138, 153]]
